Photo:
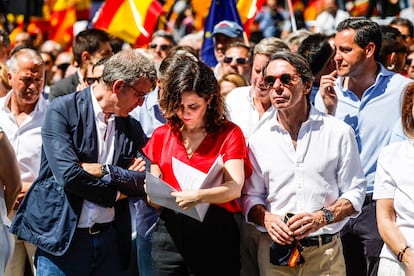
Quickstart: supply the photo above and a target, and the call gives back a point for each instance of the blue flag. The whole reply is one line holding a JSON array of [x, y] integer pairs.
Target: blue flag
[[219, 10]]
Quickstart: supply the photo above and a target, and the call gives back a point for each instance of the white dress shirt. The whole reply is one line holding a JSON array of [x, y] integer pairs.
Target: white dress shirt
[[241, 110], [26, 139], [324, 167], [92, 213]]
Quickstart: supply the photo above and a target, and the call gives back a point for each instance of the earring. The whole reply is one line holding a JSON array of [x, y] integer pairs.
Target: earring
[[208, 106], [391, 67]]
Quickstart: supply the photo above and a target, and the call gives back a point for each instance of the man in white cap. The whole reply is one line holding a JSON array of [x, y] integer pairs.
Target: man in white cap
[[225, 33]]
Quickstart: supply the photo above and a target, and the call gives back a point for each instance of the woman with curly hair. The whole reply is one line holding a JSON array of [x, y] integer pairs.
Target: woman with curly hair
[[197, 133]]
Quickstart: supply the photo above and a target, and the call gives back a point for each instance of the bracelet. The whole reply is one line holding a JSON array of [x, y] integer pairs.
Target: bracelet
[[401, 253]]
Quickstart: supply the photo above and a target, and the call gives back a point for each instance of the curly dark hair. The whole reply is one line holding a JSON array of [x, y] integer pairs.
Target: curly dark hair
[[407, 111], [189, 74]]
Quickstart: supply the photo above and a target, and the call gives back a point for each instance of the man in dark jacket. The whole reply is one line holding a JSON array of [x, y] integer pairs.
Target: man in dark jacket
[[89, 46], [76, 212]]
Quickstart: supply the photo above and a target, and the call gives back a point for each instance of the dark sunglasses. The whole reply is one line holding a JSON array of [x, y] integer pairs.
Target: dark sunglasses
[[91, 81], [239, 60], [404, 36], [285, 79], [163, 47]]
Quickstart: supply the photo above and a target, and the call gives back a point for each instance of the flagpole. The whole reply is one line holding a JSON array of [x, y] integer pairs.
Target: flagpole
[[292, 16]]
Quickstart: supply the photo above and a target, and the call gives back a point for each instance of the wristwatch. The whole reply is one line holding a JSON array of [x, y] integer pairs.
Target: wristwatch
[[329, 215], [104, 169]]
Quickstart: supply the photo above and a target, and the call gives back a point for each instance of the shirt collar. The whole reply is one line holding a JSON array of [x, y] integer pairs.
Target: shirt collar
[[97, 109], [383, 72], [40, 106], [314, 116], [151, 99]]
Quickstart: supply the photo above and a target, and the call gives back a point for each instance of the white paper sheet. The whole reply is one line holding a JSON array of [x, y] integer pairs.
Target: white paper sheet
[[189, 178]]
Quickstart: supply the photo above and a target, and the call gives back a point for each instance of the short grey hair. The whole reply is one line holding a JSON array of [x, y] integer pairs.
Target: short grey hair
[[270, 45], [30, 53], [130, 66]]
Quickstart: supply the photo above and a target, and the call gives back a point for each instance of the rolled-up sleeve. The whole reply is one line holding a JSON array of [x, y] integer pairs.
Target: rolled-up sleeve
[[351, 180]]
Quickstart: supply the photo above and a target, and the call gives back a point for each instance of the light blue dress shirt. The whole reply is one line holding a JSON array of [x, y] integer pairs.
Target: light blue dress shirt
[[398, 134], [146, 114], [373, 117]]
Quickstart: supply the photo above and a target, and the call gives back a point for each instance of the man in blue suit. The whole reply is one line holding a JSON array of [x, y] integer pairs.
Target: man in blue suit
[[76, 212]]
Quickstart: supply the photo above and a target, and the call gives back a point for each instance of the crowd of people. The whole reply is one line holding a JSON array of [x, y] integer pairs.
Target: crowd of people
[[313, 131]]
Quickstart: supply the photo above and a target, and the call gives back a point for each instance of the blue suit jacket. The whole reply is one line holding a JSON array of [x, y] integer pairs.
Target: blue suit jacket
[[49, 213]]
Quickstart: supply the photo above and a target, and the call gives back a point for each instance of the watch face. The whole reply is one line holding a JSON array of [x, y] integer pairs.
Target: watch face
[[329, 216]]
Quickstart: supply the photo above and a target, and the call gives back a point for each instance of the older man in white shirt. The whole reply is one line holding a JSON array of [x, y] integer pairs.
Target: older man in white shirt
[[22, 111], [306, 163]]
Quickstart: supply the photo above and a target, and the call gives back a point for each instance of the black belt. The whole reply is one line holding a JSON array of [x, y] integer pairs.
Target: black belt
[[98, 228], [317, 240]]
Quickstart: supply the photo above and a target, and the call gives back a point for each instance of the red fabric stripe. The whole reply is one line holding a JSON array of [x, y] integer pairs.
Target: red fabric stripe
[[107, 13], [59, 17], [293, 257], [154, 11], [83, 14]]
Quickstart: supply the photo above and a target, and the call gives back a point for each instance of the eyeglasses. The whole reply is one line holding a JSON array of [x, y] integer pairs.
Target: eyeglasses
[[138, 94], [285, 79], [408, 61], [163, 47], [404, 36], [91, 80], [239, 60]]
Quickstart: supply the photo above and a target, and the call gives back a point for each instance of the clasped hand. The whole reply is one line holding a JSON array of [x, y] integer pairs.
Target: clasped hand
[[296, 228], [95, 169]]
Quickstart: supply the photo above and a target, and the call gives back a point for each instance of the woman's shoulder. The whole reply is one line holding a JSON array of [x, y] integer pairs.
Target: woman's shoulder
[[232, 127]]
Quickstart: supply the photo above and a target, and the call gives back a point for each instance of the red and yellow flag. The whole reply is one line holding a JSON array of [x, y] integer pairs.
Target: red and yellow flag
[[131, 20], [248, 10], [83, 9], [62, 18]]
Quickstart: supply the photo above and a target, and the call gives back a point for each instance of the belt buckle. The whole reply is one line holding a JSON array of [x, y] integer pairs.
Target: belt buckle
[[92, 232]]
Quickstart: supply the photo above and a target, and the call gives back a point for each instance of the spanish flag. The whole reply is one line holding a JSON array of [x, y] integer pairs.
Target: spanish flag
[[62, 18], [248, 10], [131, 20]]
